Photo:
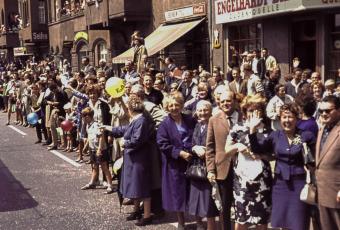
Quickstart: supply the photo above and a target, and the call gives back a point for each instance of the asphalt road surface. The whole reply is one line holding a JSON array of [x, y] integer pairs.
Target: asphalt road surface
[[41, 190]]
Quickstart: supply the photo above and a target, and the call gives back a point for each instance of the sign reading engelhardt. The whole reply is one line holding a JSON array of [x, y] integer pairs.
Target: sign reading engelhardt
[[237, 10]]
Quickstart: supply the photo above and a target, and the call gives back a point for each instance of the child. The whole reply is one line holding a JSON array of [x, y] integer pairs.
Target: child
[[98, 150], [70, 115]]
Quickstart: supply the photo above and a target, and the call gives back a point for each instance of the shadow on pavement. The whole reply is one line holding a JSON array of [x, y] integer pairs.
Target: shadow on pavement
[[13, 196]]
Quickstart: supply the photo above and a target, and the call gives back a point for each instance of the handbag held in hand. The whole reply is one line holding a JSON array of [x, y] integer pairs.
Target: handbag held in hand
[[196, 170]]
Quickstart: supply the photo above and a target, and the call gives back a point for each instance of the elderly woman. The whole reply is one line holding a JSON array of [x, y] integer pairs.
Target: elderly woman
[[174, 138], [136, 174], [200, 202], [290, 177], [253, 179]]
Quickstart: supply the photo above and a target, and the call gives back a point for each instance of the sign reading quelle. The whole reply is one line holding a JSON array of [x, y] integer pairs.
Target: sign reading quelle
[[39, 36], [237, 10]]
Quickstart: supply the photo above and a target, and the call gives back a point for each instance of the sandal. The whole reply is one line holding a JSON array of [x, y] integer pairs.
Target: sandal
[[88, 186]]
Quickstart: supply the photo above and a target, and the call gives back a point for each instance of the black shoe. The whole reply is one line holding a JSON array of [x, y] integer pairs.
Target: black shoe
[[159, 214], [144, 221], [46, 143], [37, 142], [134, 216]]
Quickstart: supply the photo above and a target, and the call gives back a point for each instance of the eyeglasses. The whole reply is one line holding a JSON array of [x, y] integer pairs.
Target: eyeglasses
[[327, 111]]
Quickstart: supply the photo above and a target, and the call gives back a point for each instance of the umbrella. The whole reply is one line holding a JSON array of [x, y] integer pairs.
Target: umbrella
[[216, 196], [117, 170]]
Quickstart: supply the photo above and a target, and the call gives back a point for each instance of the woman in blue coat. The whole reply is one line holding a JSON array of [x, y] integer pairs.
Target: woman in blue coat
[[200, 202], [174, 138], [136, 172], [287, 210]]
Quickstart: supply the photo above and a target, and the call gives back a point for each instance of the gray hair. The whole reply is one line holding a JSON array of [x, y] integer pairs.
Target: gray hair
[[203, 104], [138, 90]]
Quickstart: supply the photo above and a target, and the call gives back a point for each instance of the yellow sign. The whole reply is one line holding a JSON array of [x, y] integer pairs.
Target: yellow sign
[[81, 35]]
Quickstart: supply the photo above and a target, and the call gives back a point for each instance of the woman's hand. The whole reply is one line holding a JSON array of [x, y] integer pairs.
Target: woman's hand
[[199, 150], [254, 122], [185, 155], [241, 148], [106, 128], [338, 197]]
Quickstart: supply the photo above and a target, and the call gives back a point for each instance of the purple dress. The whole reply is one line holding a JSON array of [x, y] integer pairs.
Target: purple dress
[[171, 140], [287, 209]]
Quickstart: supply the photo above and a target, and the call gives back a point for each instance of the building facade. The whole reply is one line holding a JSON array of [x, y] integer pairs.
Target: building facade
[[9, 29], [102, 29], [33, 34], [307, 29]]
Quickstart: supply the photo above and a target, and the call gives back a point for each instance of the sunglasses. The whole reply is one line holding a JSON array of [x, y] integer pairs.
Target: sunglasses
[[327, 111]]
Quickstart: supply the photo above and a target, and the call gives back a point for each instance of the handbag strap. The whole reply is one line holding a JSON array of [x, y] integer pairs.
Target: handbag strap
[[308, 177], [305, 148]]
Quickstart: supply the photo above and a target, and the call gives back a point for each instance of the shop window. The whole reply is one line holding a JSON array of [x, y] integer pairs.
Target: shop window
[[334, 57], [245, 37], [41, 12]]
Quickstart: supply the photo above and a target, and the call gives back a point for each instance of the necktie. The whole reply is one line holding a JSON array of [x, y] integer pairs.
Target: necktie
[[324, 136], [230, 122]]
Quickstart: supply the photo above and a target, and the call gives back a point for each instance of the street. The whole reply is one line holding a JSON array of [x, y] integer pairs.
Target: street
[[40, 190]]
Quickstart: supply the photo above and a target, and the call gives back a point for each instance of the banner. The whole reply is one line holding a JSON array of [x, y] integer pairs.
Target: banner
[[237, 10]]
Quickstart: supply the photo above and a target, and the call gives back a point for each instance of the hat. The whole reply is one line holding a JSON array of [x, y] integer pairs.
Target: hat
[[67, 106]]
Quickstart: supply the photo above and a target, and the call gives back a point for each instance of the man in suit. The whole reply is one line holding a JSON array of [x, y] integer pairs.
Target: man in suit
[[219, 164], [328, 163], [87, 68], [238, 85]]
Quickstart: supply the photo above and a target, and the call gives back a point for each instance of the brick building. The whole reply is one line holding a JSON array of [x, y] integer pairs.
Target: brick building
[[102, 29], [33, 34]]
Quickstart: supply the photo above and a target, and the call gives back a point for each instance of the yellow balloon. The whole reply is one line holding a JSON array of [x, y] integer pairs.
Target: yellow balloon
[[115, 87]]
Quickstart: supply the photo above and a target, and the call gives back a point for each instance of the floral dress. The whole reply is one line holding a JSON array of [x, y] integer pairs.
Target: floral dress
[[252, 189]]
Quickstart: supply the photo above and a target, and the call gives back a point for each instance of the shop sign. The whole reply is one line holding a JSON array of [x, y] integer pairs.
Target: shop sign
[[320, 3], [19, 51], [81, 35], [237, 10], [39, 36], [190, 11]]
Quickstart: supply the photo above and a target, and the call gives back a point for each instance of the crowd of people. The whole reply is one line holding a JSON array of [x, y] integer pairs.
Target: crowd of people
[[194, 142]]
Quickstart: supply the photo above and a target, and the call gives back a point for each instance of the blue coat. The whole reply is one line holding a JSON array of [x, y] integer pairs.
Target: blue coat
[[171, 142], [136, 173], [200, 202]]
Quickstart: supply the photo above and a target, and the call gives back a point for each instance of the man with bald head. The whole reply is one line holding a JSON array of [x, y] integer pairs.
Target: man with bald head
[[219, 163]]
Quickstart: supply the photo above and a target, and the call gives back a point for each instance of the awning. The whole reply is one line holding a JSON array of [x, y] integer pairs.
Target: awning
[[163, 36]]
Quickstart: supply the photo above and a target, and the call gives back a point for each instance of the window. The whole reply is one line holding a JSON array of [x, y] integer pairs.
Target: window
[[41, 12], [334, 47], [245, 37], [101, 52]]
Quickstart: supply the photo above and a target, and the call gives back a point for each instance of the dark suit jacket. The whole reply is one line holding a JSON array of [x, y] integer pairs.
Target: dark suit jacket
[[243, 87], [216, 159], [328, 168]]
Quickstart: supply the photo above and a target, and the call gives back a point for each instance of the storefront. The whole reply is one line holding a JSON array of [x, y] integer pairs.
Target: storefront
[[308, 29], [183, 36]]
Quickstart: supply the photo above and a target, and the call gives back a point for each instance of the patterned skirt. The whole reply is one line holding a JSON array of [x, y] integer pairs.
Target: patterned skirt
[[252, 198]]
